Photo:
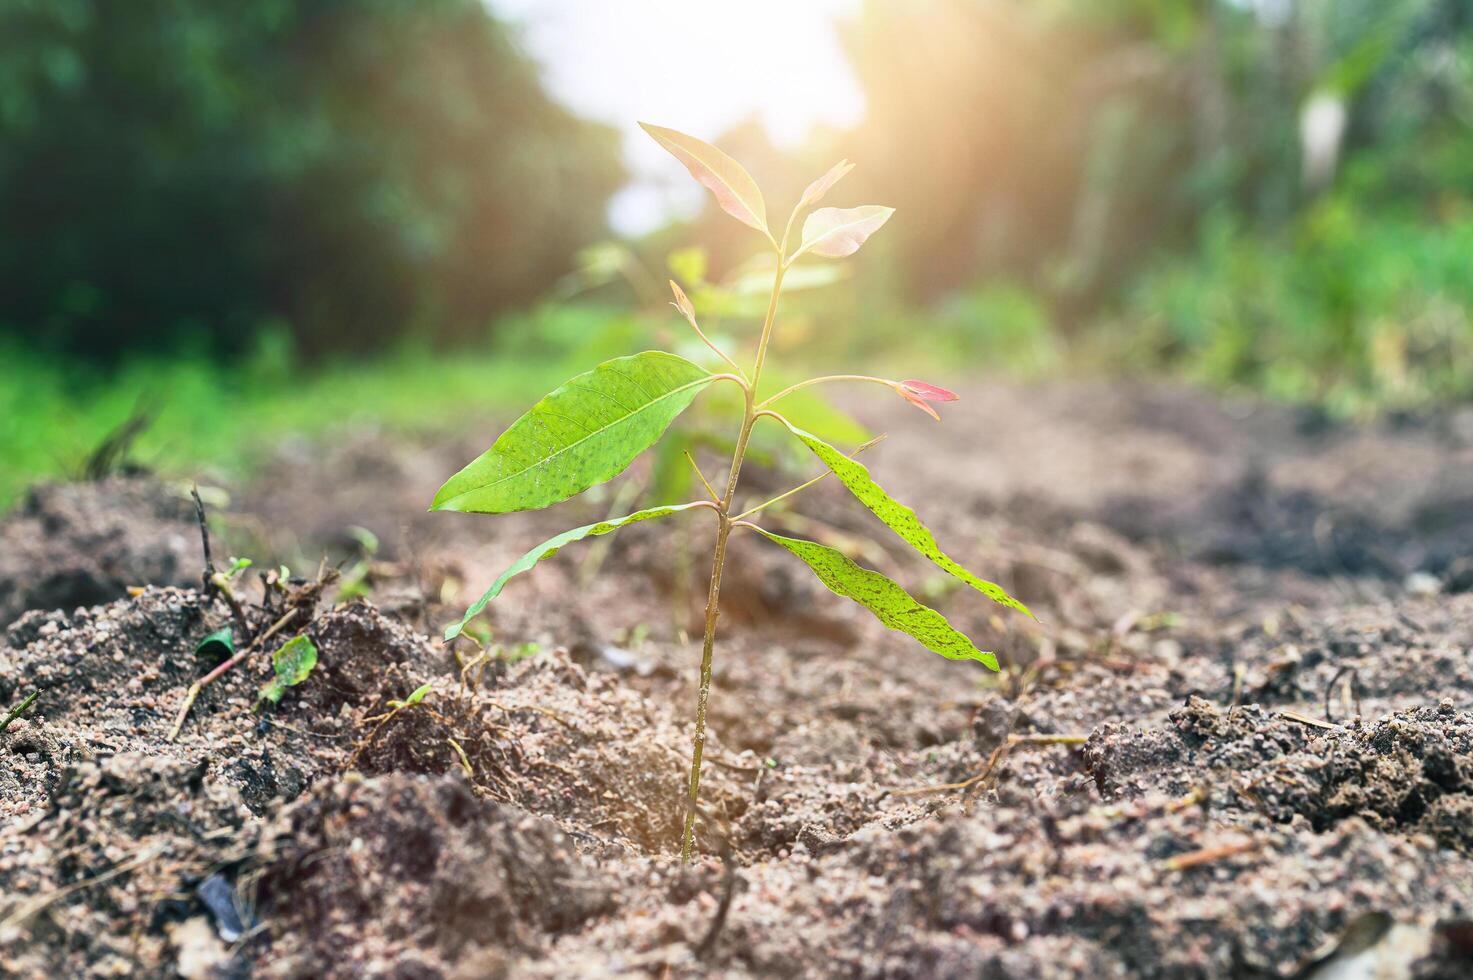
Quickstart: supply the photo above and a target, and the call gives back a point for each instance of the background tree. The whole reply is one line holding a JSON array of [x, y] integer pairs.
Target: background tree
[[175, 169]]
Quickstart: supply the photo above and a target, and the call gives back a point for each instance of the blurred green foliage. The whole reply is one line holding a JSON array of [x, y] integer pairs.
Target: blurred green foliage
[[214, 418], [181, 172], [1064, 144], [1270, 193], [1275, 194], [1354, 312]]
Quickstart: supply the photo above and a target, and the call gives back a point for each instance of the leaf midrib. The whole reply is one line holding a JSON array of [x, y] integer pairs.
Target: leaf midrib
[[573, 445]]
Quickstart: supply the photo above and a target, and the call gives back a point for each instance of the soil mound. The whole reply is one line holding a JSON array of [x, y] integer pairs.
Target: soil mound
[[78, 544]]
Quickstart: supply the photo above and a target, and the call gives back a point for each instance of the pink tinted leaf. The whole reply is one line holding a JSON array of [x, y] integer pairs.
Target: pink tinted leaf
[[919, 403], [930, 392], [735, 190], [837, 232], [919, 393], [821, 186]]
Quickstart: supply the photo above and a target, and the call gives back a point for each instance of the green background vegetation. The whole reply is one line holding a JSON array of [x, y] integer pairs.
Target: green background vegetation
[[288, 216]]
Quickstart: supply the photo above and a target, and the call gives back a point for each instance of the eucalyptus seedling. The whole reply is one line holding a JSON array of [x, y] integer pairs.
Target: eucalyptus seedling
[[592, 428]]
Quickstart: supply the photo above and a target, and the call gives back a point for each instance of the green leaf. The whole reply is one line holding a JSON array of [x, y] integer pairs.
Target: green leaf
[[891, 604], [551, 547], [293, 664], [413, 699], [585, 432], [219, 644], [900, 518], [837, 232], [735, 190]]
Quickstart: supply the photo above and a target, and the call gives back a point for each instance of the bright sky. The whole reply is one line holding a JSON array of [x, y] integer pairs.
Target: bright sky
[[694, 65]]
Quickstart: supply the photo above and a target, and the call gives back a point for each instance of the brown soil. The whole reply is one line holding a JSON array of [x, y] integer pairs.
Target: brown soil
[[70, 545], [1240, 743]]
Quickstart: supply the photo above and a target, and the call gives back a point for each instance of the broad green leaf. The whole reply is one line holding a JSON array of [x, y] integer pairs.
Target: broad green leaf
[[816, 190], [293, 664], [900, 518], [220, 644], [585, 432], [735, 190], [551, 547], [891, 604], [837, 232]]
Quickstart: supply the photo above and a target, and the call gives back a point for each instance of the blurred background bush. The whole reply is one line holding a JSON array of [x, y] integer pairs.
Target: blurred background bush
[[208, 208], [177, 172]]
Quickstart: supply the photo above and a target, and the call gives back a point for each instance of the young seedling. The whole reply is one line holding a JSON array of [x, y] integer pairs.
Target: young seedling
[[592, 428]]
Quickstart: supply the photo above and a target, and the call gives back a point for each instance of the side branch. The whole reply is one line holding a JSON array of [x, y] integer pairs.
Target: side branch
[[804, 486], [827, 379]]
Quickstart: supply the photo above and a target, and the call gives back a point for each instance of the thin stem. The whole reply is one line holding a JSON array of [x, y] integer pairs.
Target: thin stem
[[718, 563], [703, 695], [740, 380], [19, 709], [777, 285], [769, 413], [824, 380], [718, 351], [704, 482], [782, 258], [804, 486]]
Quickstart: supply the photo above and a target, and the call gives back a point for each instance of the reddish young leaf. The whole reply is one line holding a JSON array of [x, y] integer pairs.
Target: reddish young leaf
[[928, 391], [735, 190], [918, 393], [820, 187]]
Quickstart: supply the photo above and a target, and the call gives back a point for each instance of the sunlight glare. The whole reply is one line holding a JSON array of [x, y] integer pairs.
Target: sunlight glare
[[694, 66]]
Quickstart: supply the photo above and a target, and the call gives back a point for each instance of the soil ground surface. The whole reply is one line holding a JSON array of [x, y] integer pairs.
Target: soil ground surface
[[1238, 742]]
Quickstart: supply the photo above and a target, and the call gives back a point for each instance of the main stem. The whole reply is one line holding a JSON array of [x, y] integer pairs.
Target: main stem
[[723, 534]]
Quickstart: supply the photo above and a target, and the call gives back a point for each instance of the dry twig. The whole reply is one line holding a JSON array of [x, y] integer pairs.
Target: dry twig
[[1208, 855], [194, 689]]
